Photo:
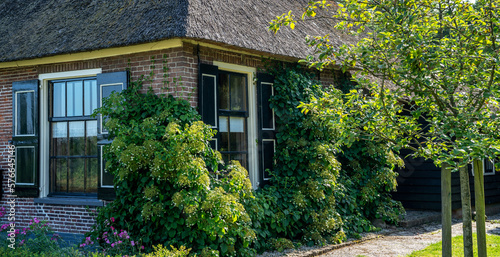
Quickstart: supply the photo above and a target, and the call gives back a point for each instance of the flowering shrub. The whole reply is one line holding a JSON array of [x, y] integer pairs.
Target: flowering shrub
[[113, 242], [38, 237], [165, 194]]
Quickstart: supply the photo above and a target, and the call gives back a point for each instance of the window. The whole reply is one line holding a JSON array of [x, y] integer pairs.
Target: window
[[488, 167], [58, 143], [239, 110], [232, 114], [73, 136]]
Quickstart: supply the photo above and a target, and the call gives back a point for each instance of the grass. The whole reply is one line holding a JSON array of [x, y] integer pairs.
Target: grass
[[492, 245]]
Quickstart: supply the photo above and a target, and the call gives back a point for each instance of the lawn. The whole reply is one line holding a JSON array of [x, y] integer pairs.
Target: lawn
[[492, 244]]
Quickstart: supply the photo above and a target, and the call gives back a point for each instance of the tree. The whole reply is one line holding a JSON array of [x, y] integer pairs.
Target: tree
[[427, 75]]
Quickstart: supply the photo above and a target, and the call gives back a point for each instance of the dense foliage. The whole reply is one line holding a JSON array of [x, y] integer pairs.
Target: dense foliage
[[165, 194], [311, 196], [435, 60]]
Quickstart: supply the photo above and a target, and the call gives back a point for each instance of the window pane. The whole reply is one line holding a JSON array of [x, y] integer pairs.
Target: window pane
[[237, 124], [237, 142], [223, 124], [59, 100], [224, 142], [75, 98], [90, 90], [59, 140], [241, 158], [60, 169], [238, 93], [91, 137], [223, 91], [76, 180], [25, 113], [77, 138], [91, 185], [489, 167], [25, 165]]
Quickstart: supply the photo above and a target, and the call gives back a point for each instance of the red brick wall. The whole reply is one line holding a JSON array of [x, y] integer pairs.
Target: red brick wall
[[182, 66]]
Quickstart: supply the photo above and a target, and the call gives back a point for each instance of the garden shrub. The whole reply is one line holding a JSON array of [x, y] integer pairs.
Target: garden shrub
[[161, 251], [38, 239], [319, 190], [165, 194], [299, 203]]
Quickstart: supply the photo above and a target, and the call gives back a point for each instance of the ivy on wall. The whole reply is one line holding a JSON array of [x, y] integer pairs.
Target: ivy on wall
[[319, 191]]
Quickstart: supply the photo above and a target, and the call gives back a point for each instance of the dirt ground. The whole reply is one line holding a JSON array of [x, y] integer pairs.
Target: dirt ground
[[389, 242]]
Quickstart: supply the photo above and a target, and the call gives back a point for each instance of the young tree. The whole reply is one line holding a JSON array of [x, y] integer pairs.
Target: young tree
[[431, 70]]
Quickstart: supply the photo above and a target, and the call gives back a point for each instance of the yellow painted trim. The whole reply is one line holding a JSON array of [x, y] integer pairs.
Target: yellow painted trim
[[108, 52], [217, 47]]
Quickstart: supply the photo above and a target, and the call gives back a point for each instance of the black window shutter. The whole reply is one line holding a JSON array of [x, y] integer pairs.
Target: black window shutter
[[207, 90], [107, 83], [267, 126], [25, 137]]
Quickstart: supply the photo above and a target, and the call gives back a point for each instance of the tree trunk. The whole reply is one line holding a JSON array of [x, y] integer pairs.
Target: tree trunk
[[480, 208], [466, 212], [446, 210]]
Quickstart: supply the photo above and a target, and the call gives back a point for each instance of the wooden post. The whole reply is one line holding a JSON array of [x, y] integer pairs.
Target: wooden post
[[466, 211], [446, 210], [480, 207]]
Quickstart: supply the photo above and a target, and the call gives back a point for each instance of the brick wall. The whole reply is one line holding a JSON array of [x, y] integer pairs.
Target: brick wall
[[180, 79]]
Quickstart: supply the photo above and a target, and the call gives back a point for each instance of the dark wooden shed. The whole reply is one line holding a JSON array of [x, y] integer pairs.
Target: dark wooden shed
[[419, 185]]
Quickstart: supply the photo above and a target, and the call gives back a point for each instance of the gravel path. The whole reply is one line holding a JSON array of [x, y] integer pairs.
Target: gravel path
[[389, 242]]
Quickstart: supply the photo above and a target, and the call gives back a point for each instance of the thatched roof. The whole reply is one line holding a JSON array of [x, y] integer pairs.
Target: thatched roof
[[38, 28]]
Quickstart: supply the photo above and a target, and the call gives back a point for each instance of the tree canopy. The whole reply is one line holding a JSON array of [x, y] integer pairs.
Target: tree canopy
[[427, 74]]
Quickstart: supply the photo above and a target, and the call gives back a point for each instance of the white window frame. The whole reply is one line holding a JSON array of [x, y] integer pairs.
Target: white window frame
[[253, 161], [44, 120], [484, 172]]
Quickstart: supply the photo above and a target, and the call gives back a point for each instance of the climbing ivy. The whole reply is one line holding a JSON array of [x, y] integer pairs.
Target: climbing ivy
[[319, 191]]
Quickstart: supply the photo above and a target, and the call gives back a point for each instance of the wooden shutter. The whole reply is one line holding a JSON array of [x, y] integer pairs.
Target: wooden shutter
[[107, 83], [208, 94], [267, 126], [25, 137], [207, 98]]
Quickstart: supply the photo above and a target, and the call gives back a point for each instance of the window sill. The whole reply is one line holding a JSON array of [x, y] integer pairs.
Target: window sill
[[70, 201]]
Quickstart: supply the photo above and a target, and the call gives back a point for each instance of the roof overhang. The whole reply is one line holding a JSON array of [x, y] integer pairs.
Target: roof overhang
[[140, 48], [102, 53]]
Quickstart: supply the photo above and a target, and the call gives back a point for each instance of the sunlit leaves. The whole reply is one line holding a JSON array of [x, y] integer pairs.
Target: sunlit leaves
[[440, 60]]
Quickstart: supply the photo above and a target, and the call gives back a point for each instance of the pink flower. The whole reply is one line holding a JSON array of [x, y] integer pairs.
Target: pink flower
[[113, 245], [112, 219], [142, 247], [82, 245], [132, 243], [4, 226], [112, 228], [22, 242]]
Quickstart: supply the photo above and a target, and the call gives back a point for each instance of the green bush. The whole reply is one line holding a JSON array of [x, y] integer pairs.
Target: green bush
[[319, 190], [299, 203], [165, 194], [37, 239], [161, 251]]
